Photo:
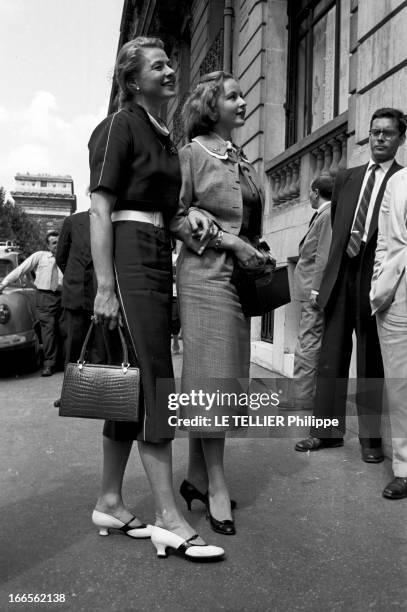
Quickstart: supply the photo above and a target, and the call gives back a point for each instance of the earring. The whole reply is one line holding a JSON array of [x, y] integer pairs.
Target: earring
[[137, 88]]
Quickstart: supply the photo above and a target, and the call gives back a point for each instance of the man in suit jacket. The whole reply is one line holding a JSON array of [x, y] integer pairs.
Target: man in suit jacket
[[344, 295], [74, 258], [313, 255], [389, 301]]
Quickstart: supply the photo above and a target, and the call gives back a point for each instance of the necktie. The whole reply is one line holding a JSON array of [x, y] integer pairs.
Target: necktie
[[356, 235], [54, 277], [314, 216]]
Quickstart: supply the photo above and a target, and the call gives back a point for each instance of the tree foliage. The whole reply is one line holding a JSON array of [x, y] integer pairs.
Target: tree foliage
[[16, 225]]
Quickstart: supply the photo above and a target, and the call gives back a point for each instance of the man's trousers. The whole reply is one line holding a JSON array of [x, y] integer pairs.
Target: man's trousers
[[306, 355], [342, 318], [49, 316], [392, 328]]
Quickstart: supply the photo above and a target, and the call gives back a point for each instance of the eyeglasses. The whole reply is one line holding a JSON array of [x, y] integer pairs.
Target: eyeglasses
[[387, 134]]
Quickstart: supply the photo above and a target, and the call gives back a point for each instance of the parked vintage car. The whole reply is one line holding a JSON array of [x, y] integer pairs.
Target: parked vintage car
[[19, 343]]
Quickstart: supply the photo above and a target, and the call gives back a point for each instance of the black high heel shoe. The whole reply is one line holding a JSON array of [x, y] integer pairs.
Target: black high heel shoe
[[189, 493], [226, 527]]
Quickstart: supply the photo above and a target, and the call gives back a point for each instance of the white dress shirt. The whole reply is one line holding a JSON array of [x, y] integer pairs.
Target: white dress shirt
[[48, 277], [381, 171]]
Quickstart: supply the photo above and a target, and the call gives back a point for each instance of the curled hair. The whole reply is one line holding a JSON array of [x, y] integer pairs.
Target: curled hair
[[129, 64], [391, 113], [51, 234], [199, 112]]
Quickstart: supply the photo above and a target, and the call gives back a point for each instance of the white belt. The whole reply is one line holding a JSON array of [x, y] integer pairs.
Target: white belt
[[155, 218]]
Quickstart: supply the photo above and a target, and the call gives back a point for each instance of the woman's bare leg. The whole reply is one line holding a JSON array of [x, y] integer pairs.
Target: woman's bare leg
[[115, 457], [219, 500], [157, 462], [197, 474]]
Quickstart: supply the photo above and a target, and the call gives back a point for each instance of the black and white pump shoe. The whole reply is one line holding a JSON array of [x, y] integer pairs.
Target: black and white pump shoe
[[164, 539], [105, 522]]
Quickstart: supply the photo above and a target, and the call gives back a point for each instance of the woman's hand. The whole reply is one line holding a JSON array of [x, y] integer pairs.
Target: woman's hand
[[107, 308], [247, 255], [202, 227]]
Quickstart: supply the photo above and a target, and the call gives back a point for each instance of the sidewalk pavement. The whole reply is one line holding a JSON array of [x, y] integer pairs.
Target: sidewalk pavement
[[313, 532]]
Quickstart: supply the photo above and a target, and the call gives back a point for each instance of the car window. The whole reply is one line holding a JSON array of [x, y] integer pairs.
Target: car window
[[6, 266]]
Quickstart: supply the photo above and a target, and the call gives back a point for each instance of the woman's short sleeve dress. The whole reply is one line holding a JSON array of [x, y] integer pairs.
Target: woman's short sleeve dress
[[130, 159]]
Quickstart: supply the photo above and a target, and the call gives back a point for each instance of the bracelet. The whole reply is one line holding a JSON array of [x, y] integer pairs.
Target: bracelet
[[218, 242]]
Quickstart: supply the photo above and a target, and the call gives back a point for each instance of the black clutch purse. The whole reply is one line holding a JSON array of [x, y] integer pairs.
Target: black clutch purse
[[96, 391], [262, 289]]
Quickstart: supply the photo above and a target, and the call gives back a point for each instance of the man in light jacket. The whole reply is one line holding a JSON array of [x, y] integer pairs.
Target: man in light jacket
[[313, 255], [388, 298]]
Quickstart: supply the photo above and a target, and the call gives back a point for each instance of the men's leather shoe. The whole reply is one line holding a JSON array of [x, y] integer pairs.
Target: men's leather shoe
[[46, 372], [372, 455], [314, 444], [57, 403], [396, 489], [293, 406]]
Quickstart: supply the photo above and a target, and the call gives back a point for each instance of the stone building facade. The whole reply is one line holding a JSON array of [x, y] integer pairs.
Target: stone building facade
[[312, 73], [46, 198]]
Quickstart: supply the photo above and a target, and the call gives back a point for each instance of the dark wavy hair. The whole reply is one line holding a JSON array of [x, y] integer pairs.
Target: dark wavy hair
[[325, 185], [129, 64], [200, 113], [391, 113]]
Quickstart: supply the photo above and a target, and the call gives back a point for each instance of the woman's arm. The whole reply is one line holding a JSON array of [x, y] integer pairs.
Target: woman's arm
[[106, 306], [243, 250], [190, 224]]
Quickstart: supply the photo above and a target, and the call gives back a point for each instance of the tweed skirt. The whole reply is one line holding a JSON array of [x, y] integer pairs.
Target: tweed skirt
[[142, 255], [215, 333]]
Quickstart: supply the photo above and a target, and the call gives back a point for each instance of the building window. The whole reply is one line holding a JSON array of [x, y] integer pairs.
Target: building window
[[318, 64], [267, 327], [44, 183], [213, 59]]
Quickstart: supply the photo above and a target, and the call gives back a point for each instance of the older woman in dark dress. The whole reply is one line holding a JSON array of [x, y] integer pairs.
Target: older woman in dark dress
[[135, 182]]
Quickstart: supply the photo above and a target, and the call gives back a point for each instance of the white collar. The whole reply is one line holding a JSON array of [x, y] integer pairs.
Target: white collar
[[385, 166], [213, 144], [323, 207], [160, 127]]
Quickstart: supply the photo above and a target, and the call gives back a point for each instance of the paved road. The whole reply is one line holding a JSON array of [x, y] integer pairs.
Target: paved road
[[313, 530]]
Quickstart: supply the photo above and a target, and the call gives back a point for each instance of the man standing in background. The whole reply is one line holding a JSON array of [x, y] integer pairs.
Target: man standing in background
[[48, 281], [389, 301], [313, 255], [344, 294], [74, 258]]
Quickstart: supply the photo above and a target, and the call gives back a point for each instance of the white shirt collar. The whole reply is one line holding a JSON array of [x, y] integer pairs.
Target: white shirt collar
[[323, 206], [385, 166]]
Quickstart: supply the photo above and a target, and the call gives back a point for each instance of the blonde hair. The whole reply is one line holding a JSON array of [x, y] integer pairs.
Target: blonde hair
[[200, 112], [129, 64]]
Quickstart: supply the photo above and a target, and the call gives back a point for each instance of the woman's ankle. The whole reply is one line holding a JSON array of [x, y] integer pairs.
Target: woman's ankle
[[198, 480], [110, 503], [176, 523]]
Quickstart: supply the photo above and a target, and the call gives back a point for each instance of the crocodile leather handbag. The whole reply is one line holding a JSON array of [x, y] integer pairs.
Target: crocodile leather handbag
[[98, 391]]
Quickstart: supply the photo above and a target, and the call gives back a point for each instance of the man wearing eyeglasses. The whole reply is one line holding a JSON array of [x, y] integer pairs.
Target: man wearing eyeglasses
[[344, 295]]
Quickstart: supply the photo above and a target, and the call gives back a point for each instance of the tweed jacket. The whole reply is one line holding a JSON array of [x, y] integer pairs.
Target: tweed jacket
[[313, 255], [210, 182], [391, 251]]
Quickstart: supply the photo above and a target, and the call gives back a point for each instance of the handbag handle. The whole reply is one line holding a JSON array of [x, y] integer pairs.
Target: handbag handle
[[125, 362]]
